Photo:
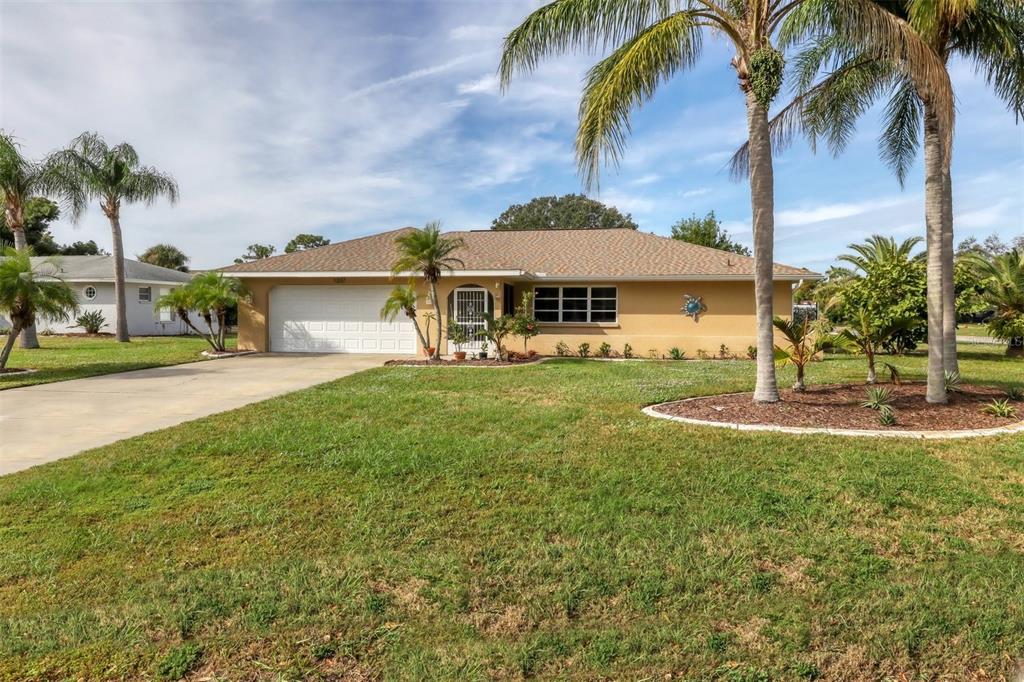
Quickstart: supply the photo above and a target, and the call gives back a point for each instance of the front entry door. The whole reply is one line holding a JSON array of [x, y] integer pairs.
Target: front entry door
[[470, 305]]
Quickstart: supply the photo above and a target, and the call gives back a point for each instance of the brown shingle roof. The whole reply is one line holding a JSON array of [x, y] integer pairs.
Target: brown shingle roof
[[551, 253]]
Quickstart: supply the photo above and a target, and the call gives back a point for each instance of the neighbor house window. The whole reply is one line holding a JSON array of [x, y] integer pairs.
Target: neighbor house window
[[89, 293], [576, 304], [145, 294]]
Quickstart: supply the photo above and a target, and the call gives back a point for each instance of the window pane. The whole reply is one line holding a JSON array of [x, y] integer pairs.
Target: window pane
[[546, 304], [547, 292], [602, 316], [602, 304], [574, 304], [547, 315], [574, 316], [574, 292], [602, 292]]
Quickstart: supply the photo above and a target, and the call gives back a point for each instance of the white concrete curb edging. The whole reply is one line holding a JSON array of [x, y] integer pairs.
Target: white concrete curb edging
[[651, 411]]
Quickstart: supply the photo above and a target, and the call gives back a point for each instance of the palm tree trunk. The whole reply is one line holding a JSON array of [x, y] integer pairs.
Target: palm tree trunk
[[437, 315], [416, 326], [762, 203], [799, 385], [8, 346], [949, 359], [872, 376], [121, 324], [28, 338], [934, 208]]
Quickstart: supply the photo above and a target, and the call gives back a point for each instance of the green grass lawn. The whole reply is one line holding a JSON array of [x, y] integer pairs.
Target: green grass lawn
[[408, 523], [972, 330], [60, 358]]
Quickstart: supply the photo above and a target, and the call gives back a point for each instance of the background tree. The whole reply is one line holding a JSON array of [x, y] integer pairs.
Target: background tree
[[1002, 284], [22, 181], [39, 213], [165, 256], [114, 176], [650, 41], [887, 282], [567, 212], [28, 291], [707, 231], [256, 252], [301, 242], [428, 253]]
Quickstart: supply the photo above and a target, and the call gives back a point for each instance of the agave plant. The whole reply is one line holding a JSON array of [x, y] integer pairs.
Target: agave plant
[[877, 398], [887, 416], [1000, 408]]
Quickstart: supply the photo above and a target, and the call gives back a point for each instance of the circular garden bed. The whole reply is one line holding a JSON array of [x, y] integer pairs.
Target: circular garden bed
[[468, 362], [840, 408]]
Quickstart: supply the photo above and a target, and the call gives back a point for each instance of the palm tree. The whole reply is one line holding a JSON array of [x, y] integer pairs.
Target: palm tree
[[428, 253], [652, 40], [210, 295], [20, 181], [989, 33], [114, 176], [402, 299], [1002, 281], [879, 251], [868, 336], [27, 292], [166, 256], [805, 342]]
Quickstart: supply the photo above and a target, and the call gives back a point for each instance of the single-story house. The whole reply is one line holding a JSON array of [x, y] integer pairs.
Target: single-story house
[[92, 279], [618, 286]]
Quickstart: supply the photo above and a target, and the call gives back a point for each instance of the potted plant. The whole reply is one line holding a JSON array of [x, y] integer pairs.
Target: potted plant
[[458, 336], [429, 349], [483, 350]]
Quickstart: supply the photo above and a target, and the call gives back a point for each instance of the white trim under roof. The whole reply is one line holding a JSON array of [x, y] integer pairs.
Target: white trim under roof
[[107, 280], [545, 277]]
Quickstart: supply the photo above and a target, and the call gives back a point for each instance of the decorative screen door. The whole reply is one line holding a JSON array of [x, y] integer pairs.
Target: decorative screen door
[[470, 304]]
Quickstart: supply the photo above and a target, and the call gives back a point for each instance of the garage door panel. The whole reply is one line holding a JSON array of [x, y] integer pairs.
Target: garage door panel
[[335, 319]]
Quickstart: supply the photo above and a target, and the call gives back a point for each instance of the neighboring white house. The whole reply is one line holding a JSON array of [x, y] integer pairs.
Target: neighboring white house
[[92, 279]]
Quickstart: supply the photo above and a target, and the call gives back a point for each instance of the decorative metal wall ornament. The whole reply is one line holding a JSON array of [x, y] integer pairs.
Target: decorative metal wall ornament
[[693, 306]]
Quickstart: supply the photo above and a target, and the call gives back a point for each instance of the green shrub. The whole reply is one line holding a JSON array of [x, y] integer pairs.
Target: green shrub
[[179, 661], [887, 415], [1015, 393], [723, 352], [1000, 408], [604, 350], [702, 354], [627, 351], [877, 398], [562, 349], [676, 354], [91, 321], [583, 350]]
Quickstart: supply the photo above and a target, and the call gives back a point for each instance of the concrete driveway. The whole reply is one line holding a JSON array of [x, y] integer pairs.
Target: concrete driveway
[[40, 424]]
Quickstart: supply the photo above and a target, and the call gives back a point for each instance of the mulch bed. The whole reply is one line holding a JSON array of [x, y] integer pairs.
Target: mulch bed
[[15, 370], [489, 362], [839, 407]]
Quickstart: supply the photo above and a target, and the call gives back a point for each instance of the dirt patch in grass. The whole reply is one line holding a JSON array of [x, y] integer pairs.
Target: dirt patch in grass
[[839, 406]]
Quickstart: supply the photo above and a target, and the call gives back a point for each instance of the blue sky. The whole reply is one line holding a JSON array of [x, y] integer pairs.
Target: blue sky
[[348, 118]]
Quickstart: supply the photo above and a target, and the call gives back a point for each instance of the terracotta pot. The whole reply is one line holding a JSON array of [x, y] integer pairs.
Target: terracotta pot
[[460, 355]]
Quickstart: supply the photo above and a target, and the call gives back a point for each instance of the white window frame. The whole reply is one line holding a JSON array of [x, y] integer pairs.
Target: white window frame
[[149, 295], [85, 292], [590, 299]]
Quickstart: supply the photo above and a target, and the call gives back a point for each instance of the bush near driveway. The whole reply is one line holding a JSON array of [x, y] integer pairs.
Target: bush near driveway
[[410, 523]]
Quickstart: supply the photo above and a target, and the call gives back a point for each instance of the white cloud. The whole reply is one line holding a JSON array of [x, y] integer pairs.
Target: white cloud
[[696, 192], [484, 85], [648, 179], [828, 212]]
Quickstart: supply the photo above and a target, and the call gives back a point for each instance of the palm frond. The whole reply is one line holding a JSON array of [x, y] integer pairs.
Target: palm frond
[[625, 80], [992, 36], [901, 130]]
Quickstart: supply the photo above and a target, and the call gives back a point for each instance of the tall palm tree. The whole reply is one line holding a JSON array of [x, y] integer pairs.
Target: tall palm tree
[[989, 33], [27, 291], [166, 256], [1002, 281], [22, 179], [114, 176], [427, 252], [653, 40]]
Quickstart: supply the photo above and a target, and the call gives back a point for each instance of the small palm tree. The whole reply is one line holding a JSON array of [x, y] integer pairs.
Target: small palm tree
[[114, 176], [402, 299], [27, 292], [879, 250], [651, 41], [210, 295], [867, 336], [21, 180], [1002, 281], [165, 256], [806, 341], [428, 253]]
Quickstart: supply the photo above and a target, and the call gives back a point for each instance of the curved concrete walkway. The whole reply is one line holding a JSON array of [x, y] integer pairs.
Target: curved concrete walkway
[[44, 423]]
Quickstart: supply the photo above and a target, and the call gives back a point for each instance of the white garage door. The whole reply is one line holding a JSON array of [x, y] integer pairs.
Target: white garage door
[[336, 319]]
